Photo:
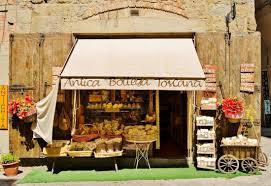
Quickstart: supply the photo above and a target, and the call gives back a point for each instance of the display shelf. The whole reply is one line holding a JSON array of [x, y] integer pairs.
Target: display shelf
[[201, 152], [204, 117], [205, 125], [207, 139]]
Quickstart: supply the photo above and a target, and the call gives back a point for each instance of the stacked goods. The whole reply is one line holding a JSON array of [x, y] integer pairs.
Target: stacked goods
[[81, 149], [208, 103], [140, 132], [205, 134], [110, 105], [205, 162], [206, 147], [205, 120], [108, 128], [239, 140], [108, 147]]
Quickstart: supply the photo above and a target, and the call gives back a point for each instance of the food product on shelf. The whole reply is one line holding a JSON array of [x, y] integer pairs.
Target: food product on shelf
[[206, 147], [140, 132], [82, 146], [208, 103], [150, 117], [108, 127], [108, 145], [206, 162], [239, 140], [205, 134], [205, 120]]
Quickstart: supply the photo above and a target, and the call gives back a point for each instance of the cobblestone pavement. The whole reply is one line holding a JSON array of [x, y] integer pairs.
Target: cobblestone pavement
[[262, 180]]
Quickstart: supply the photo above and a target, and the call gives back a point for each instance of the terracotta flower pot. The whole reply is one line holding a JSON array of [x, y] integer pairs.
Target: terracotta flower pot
[[11, 169]]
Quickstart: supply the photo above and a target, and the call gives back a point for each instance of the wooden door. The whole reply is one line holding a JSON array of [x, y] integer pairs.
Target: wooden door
[[32, 57]]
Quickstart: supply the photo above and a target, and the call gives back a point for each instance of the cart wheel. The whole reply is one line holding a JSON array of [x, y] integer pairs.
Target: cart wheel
[[262, 159], [228, 164], [249, 165]]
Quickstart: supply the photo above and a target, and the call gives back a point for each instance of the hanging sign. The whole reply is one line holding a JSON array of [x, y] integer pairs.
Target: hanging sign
[[3, 107], [247, 77], [210, 74], [132, 84], [247, 87], [248, 67]]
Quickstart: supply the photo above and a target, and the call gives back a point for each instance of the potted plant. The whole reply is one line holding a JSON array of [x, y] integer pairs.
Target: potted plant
[[10, 164], [233, 109], [23, 108]]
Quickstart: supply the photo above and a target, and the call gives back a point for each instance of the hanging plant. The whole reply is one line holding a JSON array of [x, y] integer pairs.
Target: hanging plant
[[23, 108], [233, 109]]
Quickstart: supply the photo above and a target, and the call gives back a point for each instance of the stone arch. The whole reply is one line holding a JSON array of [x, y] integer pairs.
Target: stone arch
[[170, 6]]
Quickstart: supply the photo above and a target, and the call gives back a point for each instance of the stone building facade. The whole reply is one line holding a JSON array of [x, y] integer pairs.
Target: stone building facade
[[118, 16]]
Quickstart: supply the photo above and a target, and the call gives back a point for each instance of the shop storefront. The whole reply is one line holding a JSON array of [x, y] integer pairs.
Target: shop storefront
[[114, 90], [127, 90]]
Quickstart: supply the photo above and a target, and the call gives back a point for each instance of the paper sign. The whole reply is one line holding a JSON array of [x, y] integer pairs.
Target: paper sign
[[212, 87], [3, 107], [210, 80], [209, 69], [247, 87], [247, 67], [247, 77]]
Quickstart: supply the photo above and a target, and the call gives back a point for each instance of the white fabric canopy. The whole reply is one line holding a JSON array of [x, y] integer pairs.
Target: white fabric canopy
[[137, 58], [45, 115]]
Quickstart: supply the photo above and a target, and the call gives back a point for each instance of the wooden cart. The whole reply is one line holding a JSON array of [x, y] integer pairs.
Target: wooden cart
[[235, 156]]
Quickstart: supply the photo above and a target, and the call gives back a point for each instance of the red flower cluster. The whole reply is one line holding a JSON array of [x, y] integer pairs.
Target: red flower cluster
[[232, 107], [22, 107]]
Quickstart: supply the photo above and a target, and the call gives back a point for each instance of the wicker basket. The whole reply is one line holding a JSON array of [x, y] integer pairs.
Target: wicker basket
[[84, 138], [80, 153], [232, 119], [55, 151], [108, 154], [31, 116]]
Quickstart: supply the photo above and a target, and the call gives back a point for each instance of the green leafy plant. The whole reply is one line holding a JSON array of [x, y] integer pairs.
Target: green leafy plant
[[9, 158]]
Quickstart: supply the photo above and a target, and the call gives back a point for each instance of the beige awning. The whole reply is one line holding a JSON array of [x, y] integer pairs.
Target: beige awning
[[153, 59]]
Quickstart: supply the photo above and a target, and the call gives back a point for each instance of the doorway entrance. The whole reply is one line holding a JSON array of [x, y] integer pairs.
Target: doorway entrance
[[173, 124]]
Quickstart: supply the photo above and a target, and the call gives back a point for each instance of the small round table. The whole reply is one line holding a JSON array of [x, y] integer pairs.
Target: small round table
[[142, 149]]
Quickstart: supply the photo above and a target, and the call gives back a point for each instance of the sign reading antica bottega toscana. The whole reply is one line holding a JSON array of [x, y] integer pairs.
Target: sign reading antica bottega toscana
[[132, 84], [3, 107]]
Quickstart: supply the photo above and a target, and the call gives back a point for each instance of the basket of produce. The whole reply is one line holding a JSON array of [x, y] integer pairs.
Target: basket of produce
[[57, 148], [80, 153], [107, 154], [108, 147], [141, 133], [81, 149], [84, 138]]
